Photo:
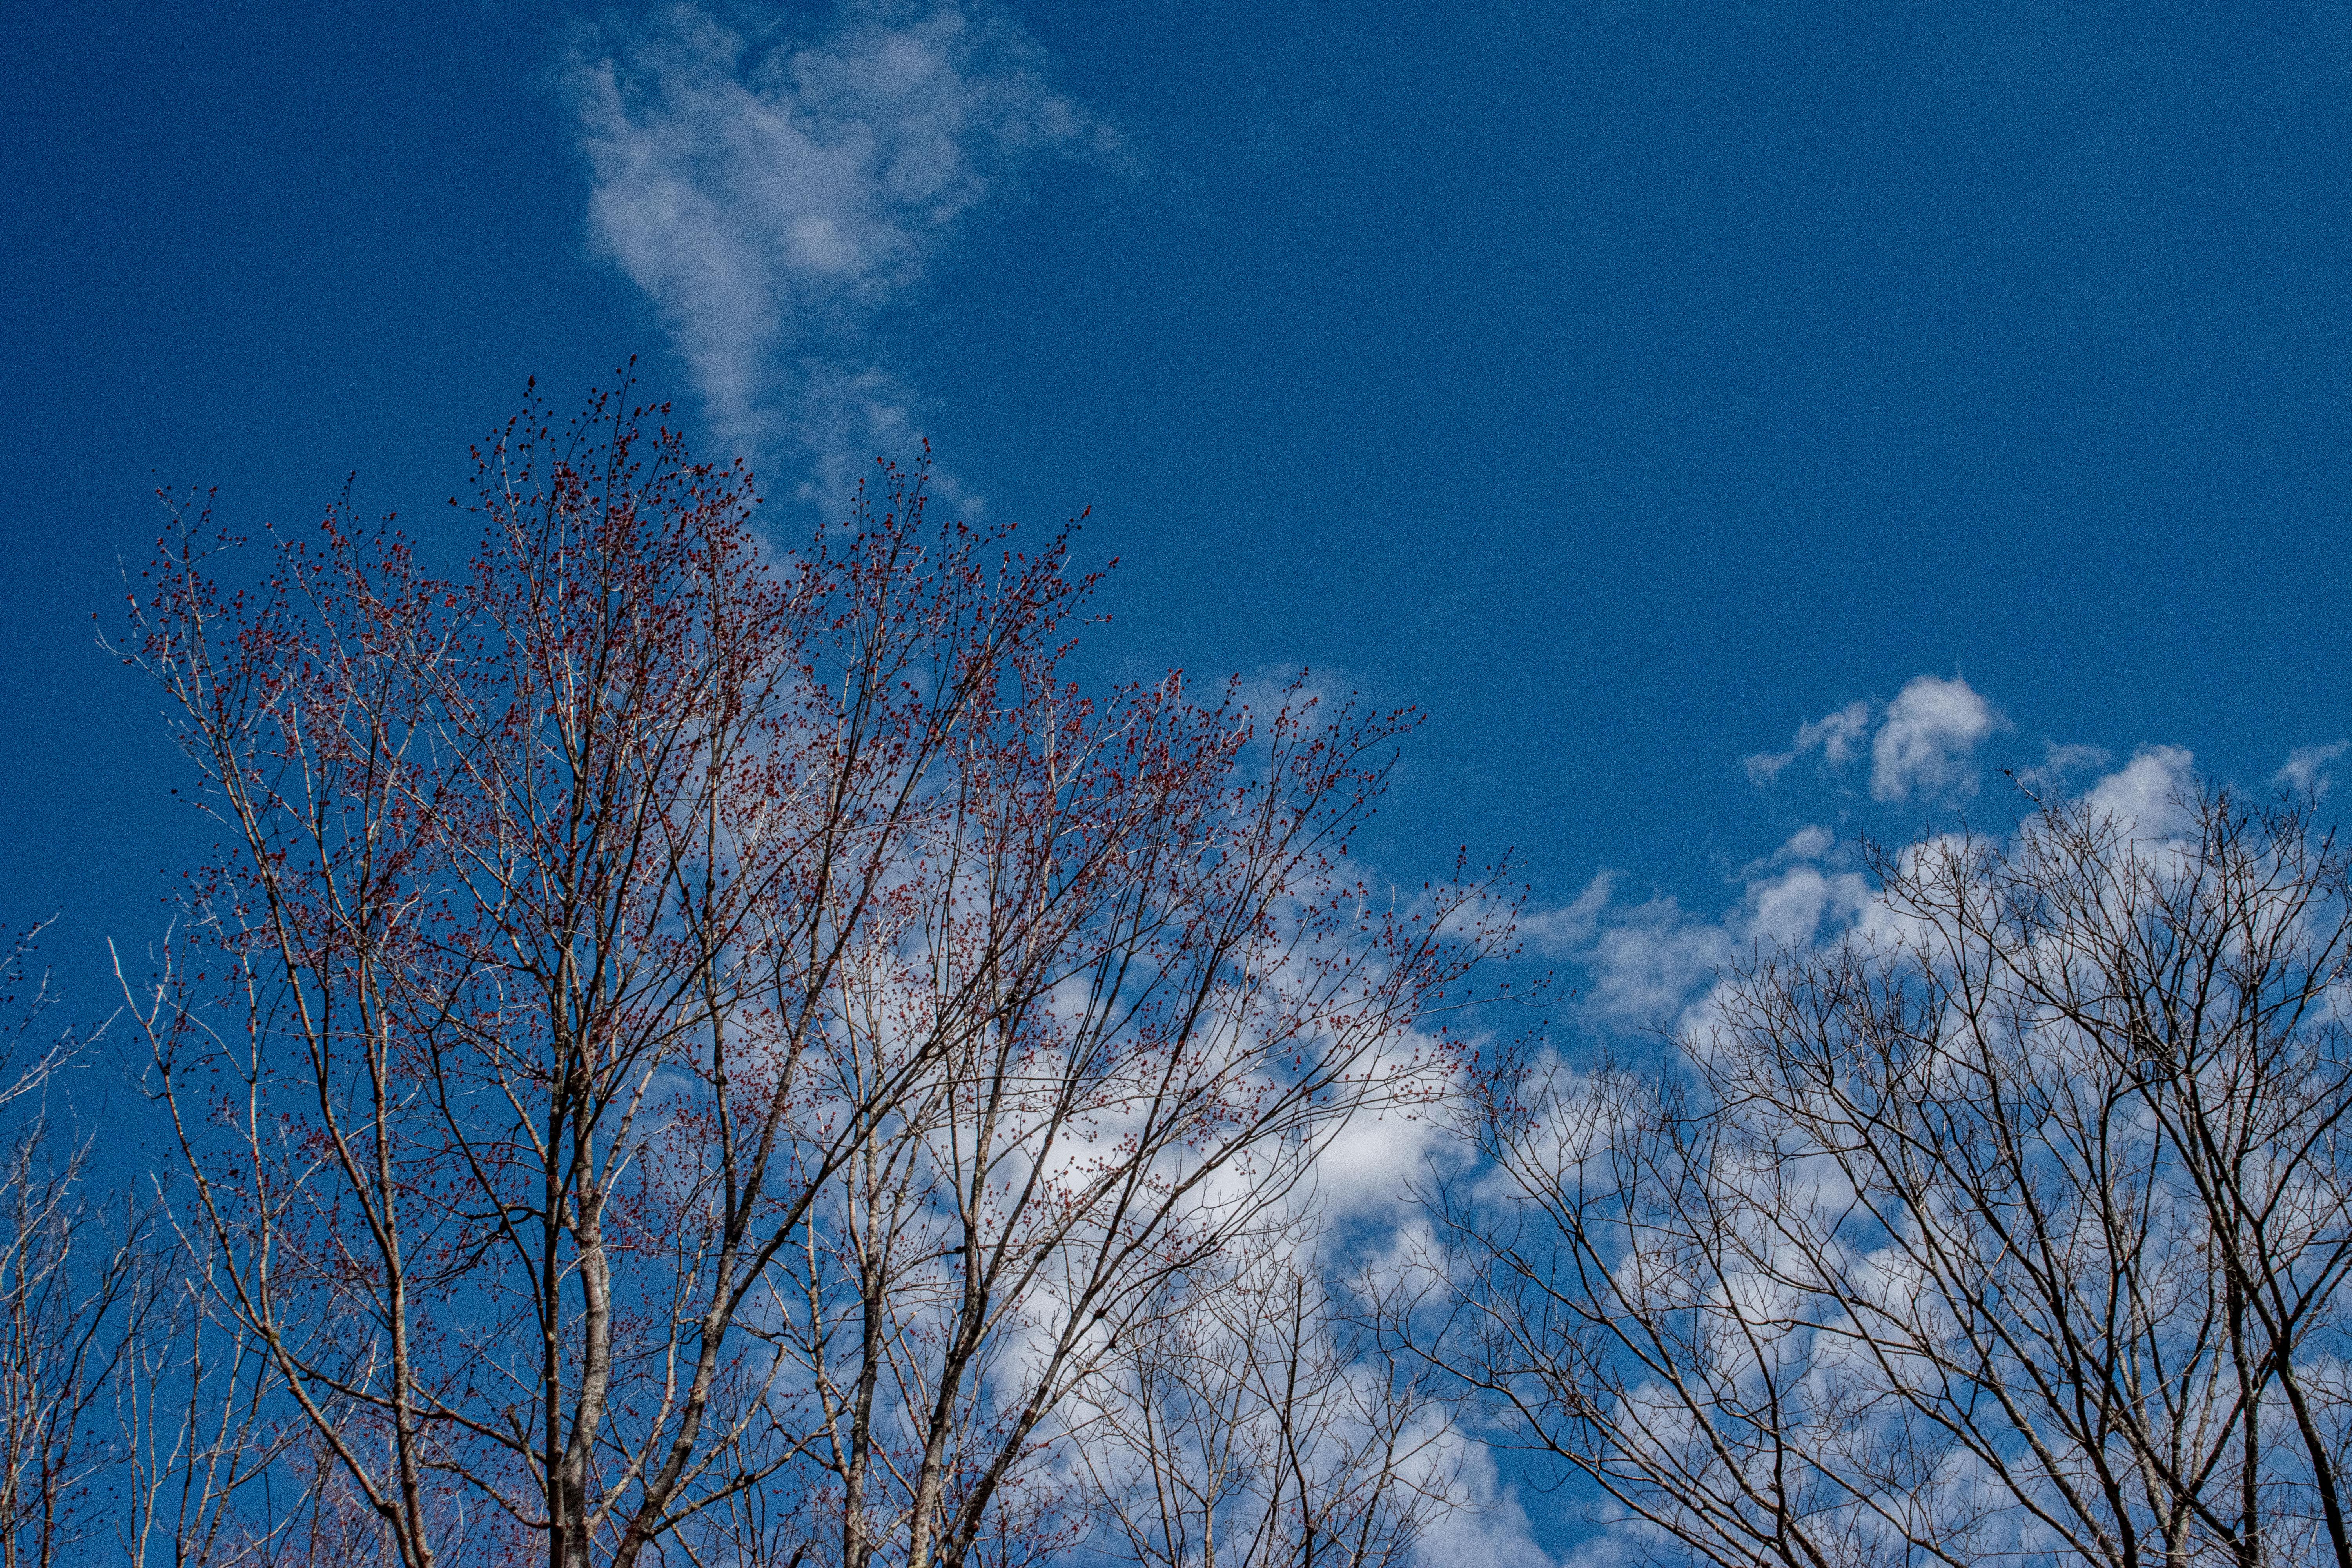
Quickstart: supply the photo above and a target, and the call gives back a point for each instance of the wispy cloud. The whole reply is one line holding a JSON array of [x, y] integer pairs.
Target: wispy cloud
[[2062, 761], [1922, 745], [771, 192], [2306, 771], [1833, 735], [1648, 964]]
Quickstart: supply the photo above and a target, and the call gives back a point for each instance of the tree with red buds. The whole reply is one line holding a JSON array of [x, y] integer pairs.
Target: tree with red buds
[[683, 1043]]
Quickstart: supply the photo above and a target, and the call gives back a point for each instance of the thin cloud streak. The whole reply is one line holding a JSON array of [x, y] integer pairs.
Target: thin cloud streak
[[771, 194]]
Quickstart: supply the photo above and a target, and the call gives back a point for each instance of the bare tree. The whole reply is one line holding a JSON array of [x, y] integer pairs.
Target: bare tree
[[64, 1280], [32, 1052], [127, 1418], [1258, 1416], [535, 884], [211, 1468], [1181, 1002], [2013, 1225], [613, 941]]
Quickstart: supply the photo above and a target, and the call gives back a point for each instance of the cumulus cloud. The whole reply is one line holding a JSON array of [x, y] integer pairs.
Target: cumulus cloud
[[771, 194], [1922, 745], [2148, 790], [1646, 961], [1653, 963], [2306, 771], [2062, 760], [1926, 746]]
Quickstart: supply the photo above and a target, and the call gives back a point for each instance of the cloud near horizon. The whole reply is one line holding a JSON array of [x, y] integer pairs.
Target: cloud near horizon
[[771, 194]]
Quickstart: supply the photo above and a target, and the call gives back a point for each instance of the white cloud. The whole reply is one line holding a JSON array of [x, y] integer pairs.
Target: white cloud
[[1652, 964], [771, 194], [2306, 771], [1569, 926], [1492, 1531], [1648, 961], [1833, 735], [1926, 747], [2071, 758], [2147, 792], [1813, 843], [1364, 1170], [1805, 844], [2061, 761]]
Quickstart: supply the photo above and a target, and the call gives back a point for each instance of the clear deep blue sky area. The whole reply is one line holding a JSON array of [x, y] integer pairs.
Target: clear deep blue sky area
[[1737, 428]]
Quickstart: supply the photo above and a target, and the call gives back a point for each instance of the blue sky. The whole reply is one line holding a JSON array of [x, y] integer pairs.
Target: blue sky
[[1736, 428]]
